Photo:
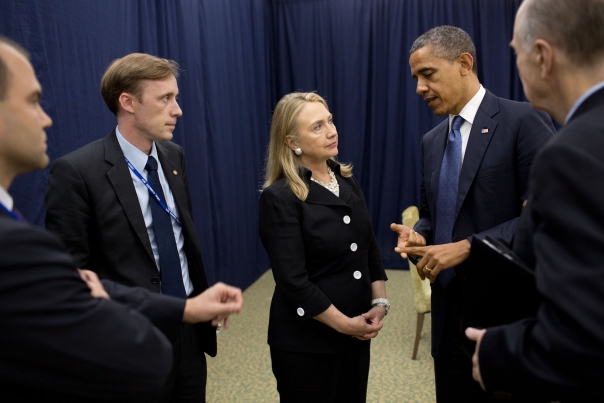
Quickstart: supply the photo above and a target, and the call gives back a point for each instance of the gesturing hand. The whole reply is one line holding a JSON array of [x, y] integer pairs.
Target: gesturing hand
[[407, 237], [438, 257], [214, 304], [92, 281]]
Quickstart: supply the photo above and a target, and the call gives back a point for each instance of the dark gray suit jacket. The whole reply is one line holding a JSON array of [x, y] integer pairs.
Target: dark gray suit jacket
[[92, 205], [59, 343], [559, 355]]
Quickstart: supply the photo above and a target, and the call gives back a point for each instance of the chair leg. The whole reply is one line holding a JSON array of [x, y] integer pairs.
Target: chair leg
[[418, 333]]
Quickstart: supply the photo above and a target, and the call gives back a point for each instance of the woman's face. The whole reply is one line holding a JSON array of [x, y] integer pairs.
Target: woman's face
[[317, 135]]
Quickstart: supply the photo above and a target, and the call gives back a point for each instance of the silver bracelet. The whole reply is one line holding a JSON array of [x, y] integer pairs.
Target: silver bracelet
[[383, 302]]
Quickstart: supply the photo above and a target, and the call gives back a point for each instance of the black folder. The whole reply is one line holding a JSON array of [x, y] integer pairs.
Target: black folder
[[499, 288]]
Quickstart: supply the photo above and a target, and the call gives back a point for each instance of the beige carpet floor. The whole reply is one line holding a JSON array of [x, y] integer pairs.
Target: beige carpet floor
[[241, 372]]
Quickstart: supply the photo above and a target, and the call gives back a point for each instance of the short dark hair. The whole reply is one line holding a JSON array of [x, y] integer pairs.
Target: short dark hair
[[447, 42], [4, 71], [577, 27], [126, 74]]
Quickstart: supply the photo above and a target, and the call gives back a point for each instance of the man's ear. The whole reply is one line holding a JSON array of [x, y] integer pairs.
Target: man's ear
[[466, 62], [126, 101], [544, 57]]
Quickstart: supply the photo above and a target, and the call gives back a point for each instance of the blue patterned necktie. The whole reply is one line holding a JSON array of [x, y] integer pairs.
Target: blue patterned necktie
[[446, 200], [169, 261]]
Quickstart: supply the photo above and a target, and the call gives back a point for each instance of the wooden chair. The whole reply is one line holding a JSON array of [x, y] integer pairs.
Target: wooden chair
[[421, 289]]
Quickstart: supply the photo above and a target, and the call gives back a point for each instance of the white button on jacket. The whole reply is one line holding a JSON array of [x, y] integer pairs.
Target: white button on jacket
[[300, 311], [353, 247], [346, 219], [357, 274]]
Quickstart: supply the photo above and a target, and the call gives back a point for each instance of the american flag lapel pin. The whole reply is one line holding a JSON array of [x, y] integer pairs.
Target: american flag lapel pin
[[484, 130]]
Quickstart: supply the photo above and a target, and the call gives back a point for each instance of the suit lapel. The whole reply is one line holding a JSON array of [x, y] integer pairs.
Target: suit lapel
[[320, 195], [172, 173], [438, 150], [345, 189], [477, 145], [119, 176]]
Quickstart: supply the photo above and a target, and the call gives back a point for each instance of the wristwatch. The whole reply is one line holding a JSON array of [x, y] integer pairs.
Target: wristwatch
[[383, 302]]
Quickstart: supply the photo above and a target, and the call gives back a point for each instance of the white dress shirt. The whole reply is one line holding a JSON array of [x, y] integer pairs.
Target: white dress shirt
[[139, 160], [582, 99], [6, 199], [468, 113]]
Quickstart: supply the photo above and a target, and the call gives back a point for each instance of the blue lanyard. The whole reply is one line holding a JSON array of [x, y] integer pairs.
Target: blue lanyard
[[157, 198], [10, 213]]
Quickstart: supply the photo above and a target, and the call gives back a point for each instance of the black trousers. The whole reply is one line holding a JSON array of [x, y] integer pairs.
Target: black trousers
[[323, 378], [187, 380], [452, 366]]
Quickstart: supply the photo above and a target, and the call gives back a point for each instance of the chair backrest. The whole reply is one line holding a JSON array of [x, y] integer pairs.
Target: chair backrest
[[421, 288]]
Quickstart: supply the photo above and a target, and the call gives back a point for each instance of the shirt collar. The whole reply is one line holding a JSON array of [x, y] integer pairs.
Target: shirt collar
[[6, 199], [582, 99], [134, 155], [334, 165], [468, 113]]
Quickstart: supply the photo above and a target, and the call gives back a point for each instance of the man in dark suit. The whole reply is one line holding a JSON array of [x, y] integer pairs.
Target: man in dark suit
[[67, 336], [474, 169], [559, 354], [122, 206]]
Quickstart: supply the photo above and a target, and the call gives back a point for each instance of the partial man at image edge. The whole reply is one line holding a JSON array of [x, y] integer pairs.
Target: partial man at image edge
[[474, 170], [65, 335], [559, 354]]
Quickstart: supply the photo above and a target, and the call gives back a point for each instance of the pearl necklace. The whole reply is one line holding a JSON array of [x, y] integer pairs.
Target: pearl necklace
[[333, 186]]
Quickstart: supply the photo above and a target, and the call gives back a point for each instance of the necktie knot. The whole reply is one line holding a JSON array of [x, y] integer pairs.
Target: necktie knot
[[151, 164], [457, 122]]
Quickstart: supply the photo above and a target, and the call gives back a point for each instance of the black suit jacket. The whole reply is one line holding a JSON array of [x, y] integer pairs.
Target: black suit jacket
[[309, 245], [59, 343], [560, 353], [492, 183], [92, 205]]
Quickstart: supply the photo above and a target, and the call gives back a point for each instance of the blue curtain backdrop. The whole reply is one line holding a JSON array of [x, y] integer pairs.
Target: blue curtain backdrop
[[238, 58]]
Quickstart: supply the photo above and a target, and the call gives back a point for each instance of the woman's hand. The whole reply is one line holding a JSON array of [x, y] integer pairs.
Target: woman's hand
[[375, 315], [361, 328], [358, 326]]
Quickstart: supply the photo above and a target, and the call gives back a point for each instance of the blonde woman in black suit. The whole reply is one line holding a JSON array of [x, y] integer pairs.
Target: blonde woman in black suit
[[330, 294]]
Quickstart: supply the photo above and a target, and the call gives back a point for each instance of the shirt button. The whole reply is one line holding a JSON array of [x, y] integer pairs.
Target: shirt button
[[353, 247], [357, 274], [346, 219], [154, 280], [300, 311]]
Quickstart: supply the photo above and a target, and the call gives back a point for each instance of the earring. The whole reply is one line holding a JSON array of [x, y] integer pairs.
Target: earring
[[298, 151]]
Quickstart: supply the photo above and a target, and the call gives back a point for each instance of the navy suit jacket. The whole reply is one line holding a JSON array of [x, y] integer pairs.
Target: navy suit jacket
[[504, 139], [559, 354], [59, 343], [92, 205]]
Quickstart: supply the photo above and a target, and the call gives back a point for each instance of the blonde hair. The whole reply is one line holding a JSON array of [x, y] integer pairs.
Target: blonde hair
[[280, 159], [126, 74]]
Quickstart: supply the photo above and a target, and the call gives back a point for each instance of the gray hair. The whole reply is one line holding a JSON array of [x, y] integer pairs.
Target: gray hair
[[448, 43], [4, 71], [576, 26]]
